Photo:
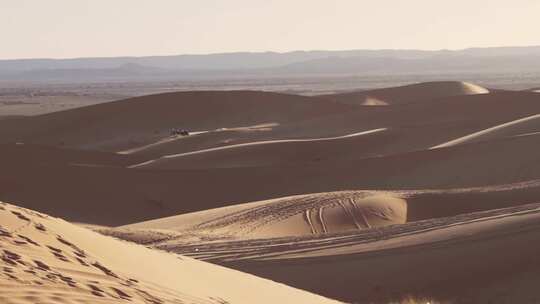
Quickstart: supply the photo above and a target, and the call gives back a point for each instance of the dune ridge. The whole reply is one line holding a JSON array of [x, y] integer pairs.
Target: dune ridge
[[408, 93], [524, 126], [164, 164]]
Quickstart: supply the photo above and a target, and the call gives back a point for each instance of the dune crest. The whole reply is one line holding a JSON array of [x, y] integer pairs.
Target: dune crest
[[521, 127], [409, 93], [238, 155]]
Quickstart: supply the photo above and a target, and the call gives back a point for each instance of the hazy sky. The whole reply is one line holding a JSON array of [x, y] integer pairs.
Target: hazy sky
[[80, 28]]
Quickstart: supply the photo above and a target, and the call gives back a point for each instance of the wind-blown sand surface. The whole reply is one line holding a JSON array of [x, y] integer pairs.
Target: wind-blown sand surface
[[354, 202], [47, 260]]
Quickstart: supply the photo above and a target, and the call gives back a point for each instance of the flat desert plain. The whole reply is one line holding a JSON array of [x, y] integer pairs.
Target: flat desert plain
[[424, 193]]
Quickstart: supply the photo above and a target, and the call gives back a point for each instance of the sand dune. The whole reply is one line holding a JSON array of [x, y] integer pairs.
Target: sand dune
[[292, 216], [321, 214], [134, 122], [99, 195], [144, 121], [369, 265], [473, 258], [47, 260], [408, 129], [409, 93], [351, 202], [234, 155]]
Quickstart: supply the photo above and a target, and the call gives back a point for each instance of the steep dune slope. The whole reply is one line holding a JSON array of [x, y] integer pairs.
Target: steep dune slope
[[47, 260], [408, 93]]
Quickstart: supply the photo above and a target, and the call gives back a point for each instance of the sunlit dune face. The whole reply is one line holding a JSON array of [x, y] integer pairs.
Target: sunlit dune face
[[313, 214], [471, 89], [374, 101], [356, 213]]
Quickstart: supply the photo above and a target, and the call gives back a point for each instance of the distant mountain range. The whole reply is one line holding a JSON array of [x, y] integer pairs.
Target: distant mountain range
[[304, 63]]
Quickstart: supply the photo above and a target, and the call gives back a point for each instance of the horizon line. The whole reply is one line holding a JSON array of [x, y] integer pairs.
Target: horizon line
[[267, 52]]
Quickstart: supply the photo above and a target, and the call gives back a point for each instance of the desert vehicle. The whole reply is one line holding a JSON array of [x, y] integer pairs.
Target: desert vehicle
[[181, 132]]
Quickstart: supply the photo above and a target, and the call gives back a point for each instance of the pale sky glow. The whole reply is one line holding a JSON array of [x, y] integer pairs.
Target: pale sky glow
[[97, 28]]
